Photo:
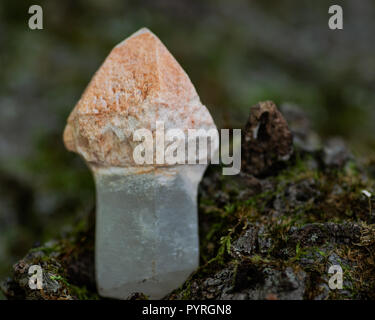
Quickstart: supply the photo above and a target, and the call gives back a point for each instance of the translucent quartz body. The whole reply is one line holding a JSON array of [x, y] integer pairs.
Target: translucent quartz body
[[146, 229]]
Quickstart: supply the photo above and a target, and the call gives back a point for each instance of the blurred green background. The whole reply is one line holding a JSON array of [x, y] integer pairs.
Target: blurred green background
[[235, 52]]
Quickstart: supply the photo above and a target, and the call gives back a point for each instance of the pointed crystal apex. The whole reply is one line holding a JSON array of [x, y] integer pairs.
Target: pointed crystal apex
[[140, 69], [135, 34], [139, 83]]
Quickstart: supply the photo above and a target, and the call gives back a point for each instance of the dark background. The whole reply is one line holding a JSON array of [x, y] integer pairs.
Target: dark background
[[235, 52]]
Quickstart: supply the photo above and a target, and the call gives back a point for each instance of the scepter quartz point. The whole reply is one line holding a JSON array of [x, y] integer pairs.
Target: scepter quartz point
[[146, 215]]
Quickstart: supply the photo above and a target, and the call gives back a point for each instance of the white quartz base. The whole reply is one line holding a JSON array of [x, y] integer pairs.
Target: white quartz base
[[146, 231]]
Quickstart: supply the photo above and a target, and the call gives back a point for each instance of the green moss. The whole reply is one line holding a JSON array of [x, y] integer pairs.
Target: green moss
[[81, 293], [56, 249], [223, 224], [228, 223]]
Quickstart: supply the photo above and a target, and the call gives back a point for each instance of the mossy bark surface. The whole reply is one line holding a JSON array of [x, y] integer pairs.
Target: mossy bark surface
[[268, 237]]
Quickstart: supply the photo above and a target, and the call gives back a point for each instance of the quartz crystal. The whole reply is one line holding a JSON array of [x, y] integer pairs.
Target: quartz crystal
[[146, 227], [153, 217]]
